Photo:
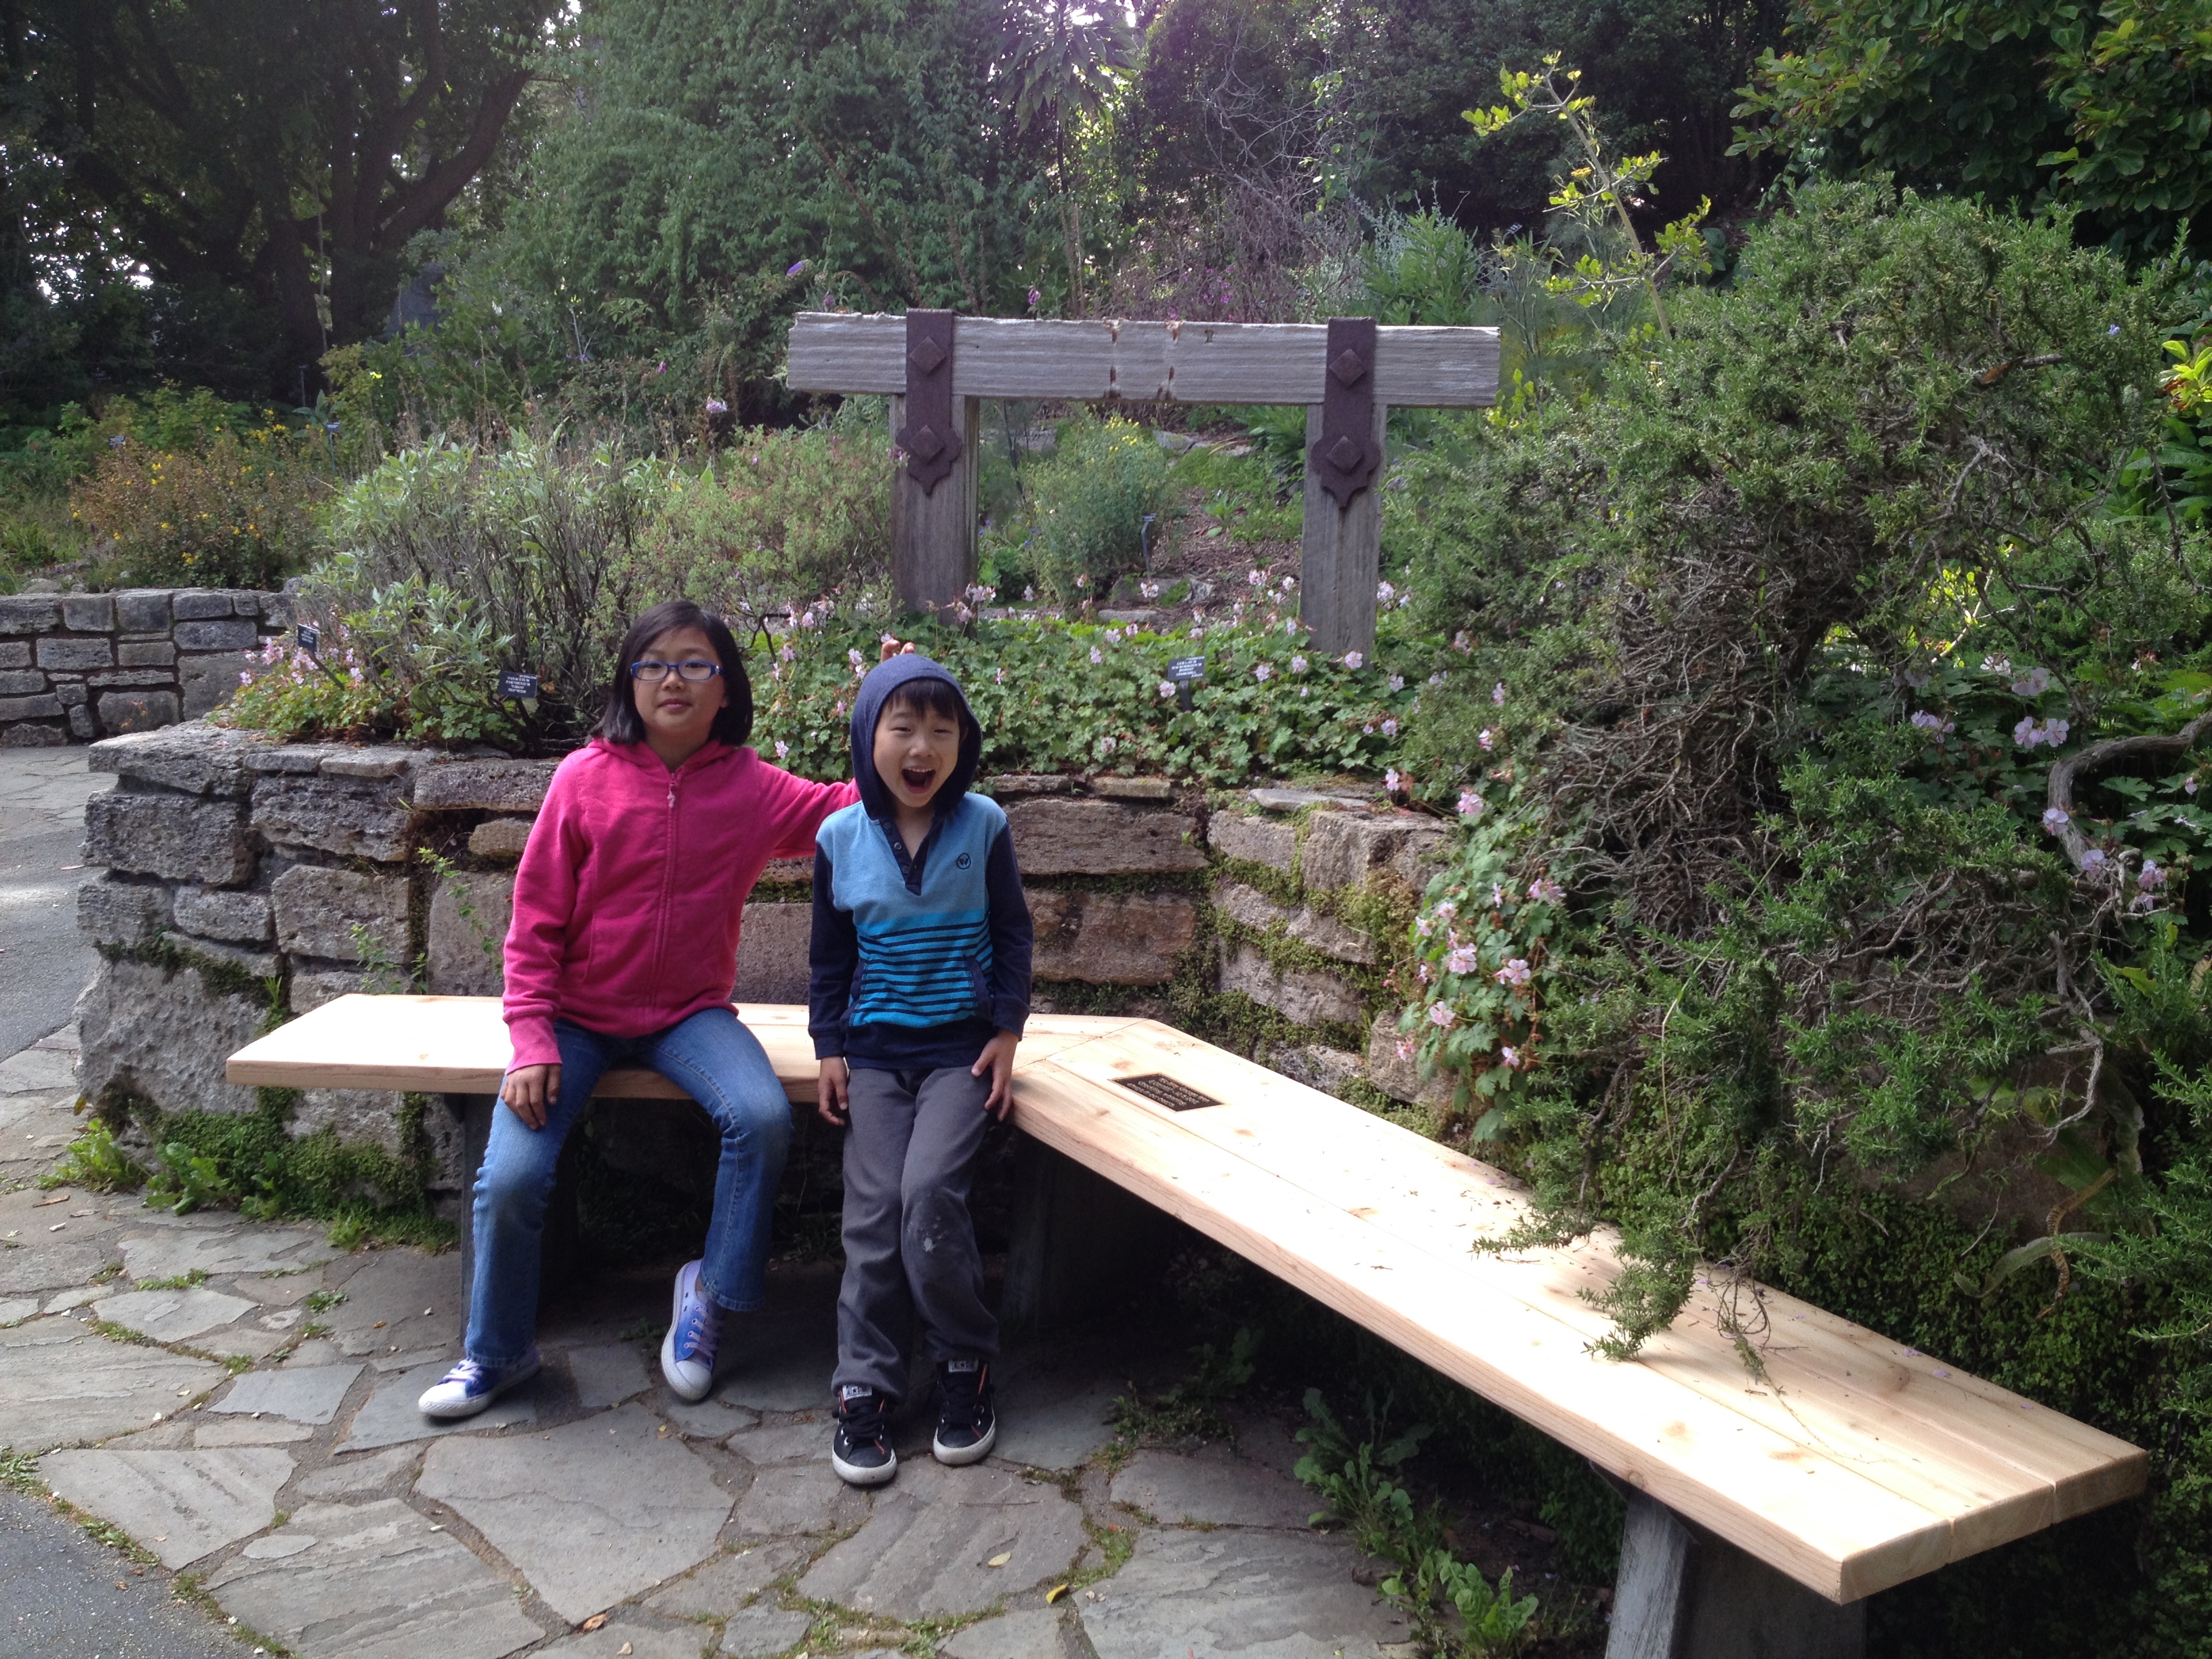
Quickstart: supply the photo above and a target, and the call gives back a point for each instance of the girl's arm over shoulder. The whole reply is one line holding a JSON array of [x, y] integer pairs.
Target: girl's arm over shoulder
[[795, 808], [544, 902]]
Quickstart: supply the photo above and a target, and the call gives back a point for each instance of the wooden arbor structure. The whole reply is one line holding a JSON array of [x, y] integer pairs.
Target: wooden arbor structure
[[938, 368]]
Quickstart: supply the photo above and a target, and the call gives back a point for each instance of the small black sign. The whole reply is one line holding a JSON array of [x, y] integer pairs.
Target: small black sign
[[1187, 668], [310, 638], [521, 687]]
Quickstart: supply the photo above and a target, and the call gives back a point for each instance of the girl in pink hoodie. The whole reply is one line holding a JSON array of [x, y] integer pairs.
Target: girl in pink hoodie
[[624, 951]]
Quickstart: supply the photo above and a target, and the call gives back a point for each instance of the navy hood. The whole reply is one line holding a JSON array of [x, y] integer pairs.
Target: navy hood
[[868, 706]]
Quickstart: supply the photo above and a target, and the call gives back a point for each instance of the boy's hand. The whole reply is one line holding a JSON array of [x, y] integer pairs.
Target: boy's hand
[[998, 1059], [529, 1090], [830, 1093], [891, 648]]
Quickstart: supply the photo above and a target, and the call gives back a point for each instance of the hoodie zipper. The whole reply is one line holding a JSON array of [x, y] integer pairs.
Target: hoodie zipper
[[667, 891]]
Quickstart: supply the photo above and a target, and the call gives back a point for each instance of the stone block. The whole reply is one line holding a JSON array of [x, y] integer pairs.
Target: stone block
[[318, 910], [1271, 841], [261, 964], [1397, 1072], [1033, 1633], [208, 682], [181, 1505], [71, 694], [358, 1117], [1344, 849], [298, 758], [488, 786], [772, 952], [1316, 1064], [75, 655], [314, 987], [1060, 836], [163, 1037], [500, 838], [145, 654], [223, 913], [182, 837], [1029, 783], [138, 711], [469, 914], [1305, 996], [60, 1383], [171, 1315], [31, 734], [196, 758], [1132, 788], [592, 1512], [1307, 925], [111, 911], [21, 683], [277, 609], [305, 1394], [44, 707], [29, 613], [199, 604], [1426, 852], [333, 815], [371, 762], [89, 613], [1111, 939], [130, 677], [142, 610], [82, 725], [15, 654], [1212, 1490], [1231, 1591]]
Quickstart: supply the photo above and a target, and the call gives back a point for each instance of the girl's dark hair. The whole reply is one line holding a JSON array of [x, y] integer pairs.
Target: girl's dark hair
[[733, 725]]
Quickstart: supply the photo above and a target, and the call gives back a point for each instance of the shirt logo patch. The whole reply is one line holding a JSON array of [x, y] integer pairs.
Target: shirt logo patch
[[960, 863]]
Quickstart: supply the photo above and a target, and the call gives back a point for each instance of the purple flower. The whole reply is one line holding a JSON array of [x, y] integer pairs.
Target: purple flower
[[2093, 862], [796, 267], [1510, 1057], [1262, 672], [2152, 878], [782, 749], [1355, 659], [1392, 781], [1036, 299], [1397, 682], [2054, 820], [1389, 728], [716, 406], [1498, 694], [1167, 690], [1470, 804], [1486, 738], [1299, 664], [1384, 593], [2033, 684], [1545, 890], [1933, 723], [1096, 656]]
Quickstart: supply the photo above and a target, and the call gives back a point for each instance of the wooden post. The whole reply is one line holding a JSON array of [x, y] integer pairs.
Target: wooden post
[[1340, 555], [1080, 1243], [1683, 1594], [934, 535]]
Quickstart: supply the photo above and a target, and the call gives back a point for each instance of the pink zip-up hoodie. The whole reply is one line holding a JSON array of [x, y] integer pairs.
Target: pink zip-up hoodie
[[632, 886]]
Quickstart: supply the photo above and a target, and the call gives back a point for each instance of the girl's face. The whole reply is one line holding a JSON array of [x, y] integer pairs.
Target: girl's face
[[679, 713]]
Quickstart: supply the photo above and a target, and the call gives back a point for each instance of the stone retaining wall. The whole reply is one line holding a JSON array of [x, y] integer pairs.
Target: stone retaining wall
[[248, 880], [77, 666]]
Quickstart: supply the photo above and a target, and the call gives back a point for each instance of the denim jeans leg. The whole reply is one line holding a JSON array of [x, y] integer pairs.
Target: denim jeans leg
[[512, 1188], [720, 1064]]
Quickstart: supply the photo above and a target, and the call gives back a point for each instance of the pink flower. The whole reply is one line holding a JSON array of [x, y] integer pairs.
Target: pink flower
[[1397, 682], [1406, 1048], [1545, 890], [1299, 664], [1497, 693], [1514, 972], [1355, 659], [782, 750], [1392, 781], [1389, 728], [1167, 690], [1510, 1057], [1470, 804], [1257, 579], [1097, 655], [1463, 959], [1486, 738], [1261, 671], [2054, 820], [1441, 1016]]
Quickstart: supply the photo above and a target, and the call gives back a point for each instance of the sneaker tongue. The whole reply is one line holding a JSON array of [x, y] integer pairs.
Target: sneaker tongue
[[962, 1366], [854, 1391]]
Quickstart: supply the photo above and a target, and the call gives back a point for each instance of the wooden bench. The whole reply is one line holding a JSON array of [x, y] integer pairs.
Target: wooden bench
[[1854, 1464]]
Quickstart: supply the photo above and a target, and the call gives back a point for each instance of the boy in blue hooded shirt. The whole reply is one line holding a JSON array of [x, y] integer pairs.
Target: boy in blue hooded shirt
[[921, 986]]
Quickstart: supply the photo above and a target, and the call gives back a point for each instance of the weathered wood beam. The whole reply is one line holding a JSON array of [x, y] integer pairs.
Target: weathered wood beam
[[1186, 362], [1340, 555]]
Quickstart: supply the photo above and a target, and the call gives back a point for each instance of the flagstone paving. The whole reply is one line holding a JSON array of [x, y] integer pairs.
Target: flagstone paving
[[318, 1507]]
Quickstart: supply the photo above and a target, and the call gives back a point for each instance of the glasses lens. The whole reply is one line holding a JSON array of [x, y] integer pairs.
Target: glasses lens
[[650, 671], [695, 670]]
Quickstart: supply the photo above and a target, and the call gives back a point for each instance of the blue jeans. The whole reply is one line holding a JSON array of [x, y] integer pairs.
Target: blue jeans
[[712, 1058]]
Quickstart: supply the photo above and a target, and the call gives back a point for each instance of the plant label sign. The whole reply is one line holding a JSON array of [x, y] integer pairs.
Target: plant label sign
[[310, 638], [1186, 672], [523, 688]]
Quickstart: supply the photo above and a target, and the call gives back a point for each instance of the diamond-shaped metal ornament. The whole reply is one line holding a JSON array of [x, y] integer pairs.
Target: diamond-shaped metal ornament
[[926, 445], [1345, 455], [1349, 367], [927, 356]]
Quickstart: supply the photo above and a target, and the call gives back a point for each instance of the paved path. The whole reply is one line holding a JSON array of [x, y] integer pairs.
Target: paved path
[[43, 962], [260, 1434]]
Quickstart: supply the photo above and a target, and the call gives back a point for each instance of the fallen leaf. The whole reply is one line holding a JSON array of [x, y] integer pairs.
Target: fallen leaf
[[620, 1651], [1001, 1558], [1054, 1593], [58, 1198], [594, 1622], [377, 1326]]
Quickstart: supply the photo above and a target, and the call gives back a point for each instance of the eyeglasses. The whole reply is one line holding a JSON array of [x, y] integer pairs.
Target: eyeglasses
[[695, 670]]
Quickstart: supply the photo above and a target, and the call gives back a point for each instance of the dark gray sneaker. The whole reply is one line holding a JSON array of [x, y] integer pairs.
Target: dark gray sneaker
[[860, 1450], [967, 1425]]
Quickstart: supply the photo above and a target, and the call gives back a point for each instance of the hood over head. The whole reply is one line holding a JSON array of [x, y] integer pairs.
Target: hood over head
[[868, 708]]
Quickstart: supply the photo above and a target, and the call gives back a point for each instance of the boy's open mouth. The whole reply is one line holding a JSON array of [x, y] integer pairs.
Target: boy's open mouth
[[918, 778]]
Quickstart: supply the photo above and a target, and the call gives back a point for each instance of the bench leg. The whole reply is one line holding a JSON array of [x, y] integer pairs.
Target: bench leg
[[1078, 1241], [1683, 1594], [559, 1249]]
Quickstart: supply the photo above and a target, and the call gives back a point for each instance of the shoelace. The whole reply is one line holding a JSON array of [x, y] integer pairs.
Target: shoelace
[[863, 1421], [698, 1336], [964, 1396], [468, 1374]]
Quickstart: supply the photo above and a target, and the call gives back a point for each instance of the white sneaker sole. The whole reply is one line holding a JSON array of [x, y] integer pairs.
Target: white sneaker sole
[[852, 1475], [959, 1457], [447, 1412], [690, 1394]]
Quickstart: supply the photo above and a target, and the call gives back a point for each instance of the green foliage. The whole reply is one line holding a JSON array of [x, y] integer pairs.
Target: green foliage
[[2046, 105], [187, 1181], [1191, 1409], [94, 1160], [1355, 1483], [1089, 503]]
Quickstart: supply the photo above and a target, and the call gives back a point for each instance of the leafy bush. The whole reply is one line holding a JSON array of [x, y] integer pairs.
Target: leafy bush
[[231, 510], [780, 519], [1088, 501], [94, 1160]]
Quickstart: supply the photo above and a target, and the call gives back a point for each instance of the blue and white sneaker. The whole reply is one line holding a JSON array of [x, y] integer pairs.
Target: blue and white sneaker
[[469, 1387], [695, 1330]]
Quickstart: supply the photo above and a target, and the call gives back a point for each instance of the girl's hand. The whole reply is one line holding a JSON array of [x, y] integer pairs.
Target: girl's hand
[[998, 1059], [830, 1093], [530, 1091], [891, 648]]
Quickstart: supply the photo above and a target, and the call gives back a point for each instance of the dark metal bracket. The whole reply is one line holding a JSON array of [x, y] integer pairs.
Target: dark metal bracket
[[931, 437], [1346, 456]]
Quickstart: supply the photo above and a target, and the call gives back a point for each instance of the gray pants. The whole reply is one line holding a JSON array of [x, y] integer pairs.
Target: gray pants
[[910, 1253]]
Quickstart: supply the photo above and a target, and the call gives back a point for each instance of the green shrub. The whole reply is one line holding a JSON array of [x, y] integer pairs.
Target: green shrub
[[231, 510], [1088, 504]]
